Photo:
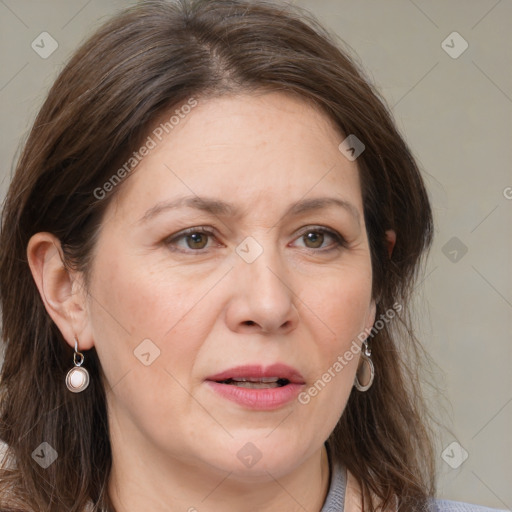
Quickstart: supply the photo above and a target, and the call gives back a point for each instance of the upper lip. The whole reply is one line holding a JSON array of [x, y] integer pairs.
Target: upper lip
[[253, 371]]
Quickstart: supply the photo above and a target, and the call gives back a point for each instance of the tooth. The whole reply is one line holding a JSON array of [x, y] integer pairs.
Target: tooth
[[256, 379], [256, 385]]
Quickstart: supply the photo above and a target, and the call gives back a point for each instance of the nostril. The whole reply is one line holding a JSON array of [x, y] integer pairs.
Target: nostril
[[249, 322]]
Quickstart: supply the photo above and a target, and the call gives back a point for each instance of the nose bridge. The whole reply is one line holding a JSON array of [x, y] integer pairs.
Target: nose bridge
[[261, 262], [264, 282]]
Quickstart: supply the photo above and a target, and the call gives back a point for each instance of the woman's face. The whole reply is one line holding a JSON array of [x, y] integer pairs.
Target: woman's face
[[256, 282]]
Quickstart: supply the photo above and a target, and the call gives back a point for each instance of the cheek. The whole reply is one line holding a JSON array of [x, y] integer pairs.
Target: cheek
[[344, 304], [138, 317], [135, 302]]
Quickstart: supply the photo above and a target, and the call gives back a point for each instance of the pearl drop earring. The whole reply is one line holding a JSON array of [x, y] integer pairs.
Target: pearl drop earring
[[77, 378]]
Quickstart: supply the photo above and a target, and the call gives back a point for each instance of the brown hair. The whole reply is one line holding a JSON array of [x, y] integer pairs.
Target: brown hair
[[140, 64]]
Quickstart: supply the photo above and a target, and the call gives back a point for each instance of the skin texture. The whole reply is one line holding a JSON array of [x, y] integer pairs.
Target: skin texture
[[174, 440]]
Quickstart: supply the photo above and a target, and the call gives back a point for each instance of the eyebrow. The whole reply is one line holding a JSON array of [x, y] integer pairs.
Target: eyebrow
[[223, 208]]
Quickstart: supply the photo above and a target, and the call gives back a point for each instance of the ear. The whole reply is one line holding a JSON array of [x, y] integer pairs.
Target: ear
[[391, 240], [61, 290]]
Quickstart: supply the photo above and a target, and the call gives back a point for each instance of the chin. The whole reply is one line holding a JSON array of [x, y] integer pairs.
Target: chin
[[258, 456]]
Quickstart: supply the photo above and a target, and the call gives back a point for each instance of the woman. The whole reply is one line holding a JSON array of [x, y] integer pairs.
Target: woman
[[212, 236]]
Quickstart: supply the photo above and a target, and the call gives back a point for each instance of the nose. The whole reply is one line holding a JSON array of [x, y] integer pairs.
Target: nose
[[263, 300]]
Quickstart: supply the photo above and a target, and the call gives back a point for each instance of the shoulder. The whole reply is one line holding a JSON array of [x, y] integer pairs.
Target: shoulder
[[458, 506]]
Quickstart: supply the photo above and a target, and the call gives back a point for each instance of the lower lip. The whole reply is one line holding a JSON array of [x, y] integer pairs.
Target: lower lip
[[258, 399]]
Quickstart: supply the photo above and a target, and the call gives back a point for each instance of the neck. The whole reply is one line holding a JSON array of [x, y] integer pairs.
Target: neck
[[145, 481]]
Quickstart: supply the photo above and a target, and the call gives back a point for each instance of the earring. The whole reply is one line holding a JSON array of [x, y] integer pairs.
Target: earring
[[366, 372], [77, 378]]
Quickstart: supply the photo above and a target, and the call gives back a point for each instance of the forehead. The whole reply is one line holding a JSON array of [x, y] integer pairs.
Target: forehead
[[243, 148]]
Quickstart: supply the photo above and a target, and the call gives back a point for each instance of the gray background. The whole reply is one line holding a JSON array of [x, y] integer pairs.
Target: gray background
[[456, 116]]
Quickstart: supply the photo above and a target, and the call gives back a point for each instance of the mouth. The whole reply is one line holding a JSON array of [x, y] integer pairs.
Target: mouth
[[256, 376], [256, 387], [255, 383]]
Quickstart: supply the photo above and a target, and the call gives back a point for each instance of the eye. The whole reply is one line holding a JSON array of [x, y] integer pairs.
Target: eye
[[314, 238], [195, 239]]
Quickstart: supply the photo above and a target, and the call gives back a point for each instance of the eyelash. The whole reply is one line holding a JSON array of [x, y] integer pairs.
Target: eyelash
[[339, 240]]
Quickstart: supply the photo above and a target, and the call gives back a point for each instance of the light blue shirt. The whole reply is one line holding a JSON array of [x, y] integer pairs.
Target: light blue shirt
[[336, 496]]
